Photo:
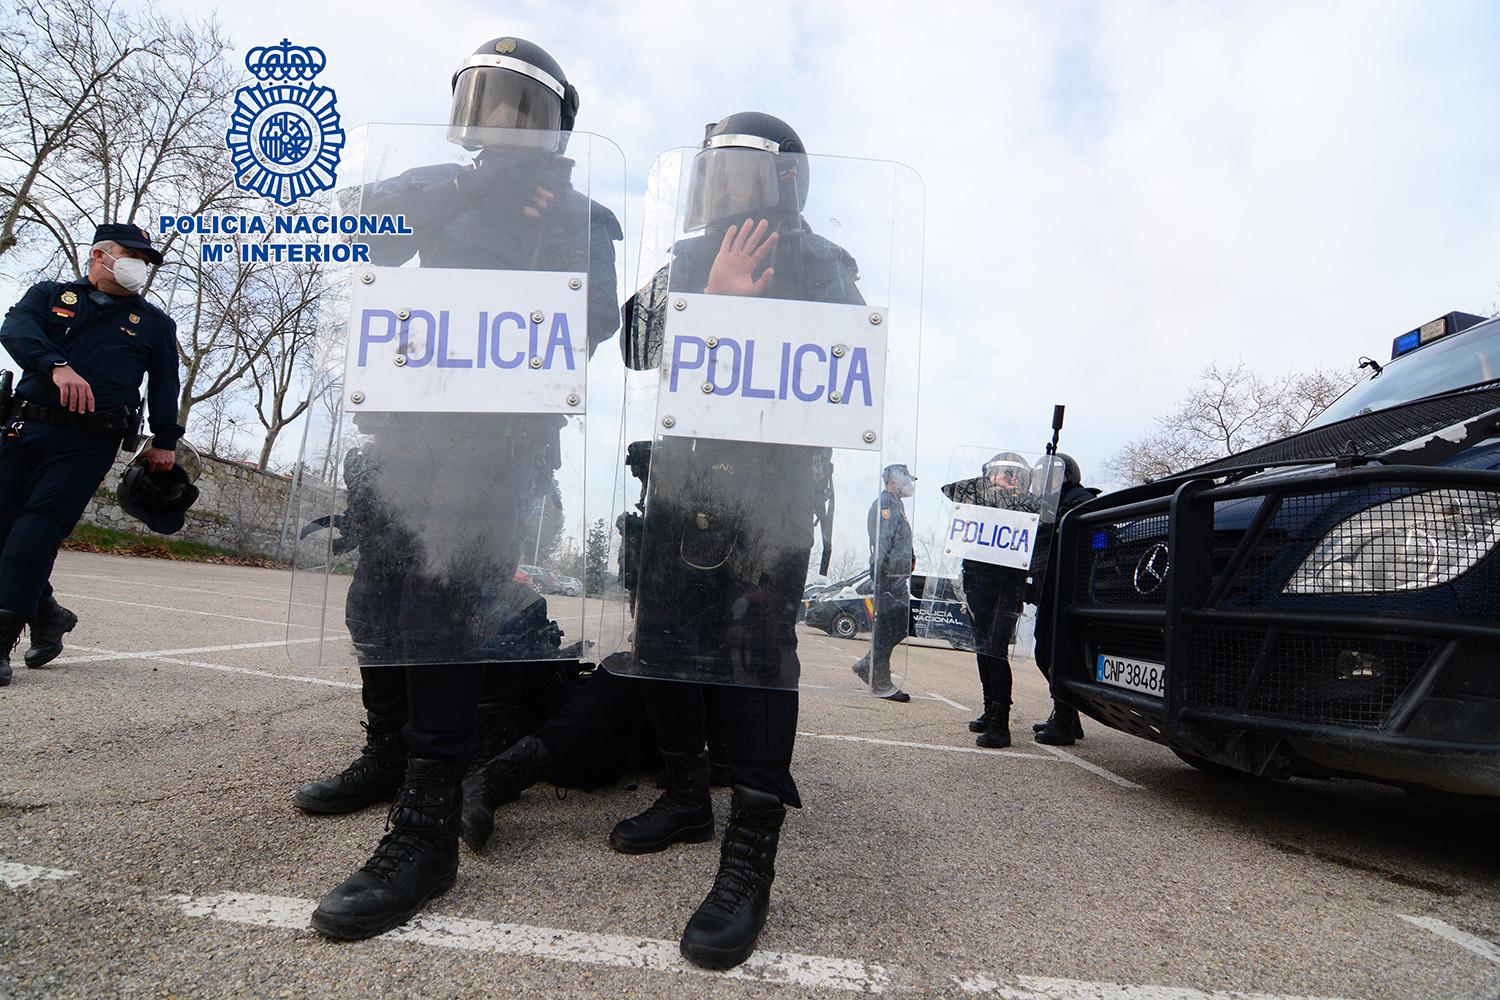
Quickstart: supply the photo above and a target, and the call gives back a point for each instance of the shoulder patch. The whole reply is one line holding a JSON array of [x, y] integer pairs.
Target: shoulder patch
[[885, 512]]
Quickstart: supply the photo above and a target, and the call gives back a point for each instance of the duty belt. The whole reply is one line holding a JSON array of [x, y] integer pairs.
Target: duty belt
[[111, 420]]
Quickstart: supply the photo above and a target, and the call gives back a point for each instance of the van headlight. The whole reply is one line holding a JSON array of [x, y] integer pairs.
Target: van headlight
[[1409, 543]]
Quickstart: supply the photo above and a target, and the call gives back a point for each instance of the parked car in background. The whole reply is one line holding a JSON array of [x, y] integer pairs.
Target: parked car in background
[[938, 611], [569, 586], [543, 581], [844, 609]]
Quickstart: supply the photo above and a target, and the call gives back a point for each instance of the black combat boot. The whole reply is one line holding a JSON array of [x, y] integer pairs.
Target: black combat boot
[[53, 621], [417, 858], [375, 776], [497, 782], [996, 734], [682, 813], [11, 625], [1063, 729], [978, 725], [722, 933], [496, 730]]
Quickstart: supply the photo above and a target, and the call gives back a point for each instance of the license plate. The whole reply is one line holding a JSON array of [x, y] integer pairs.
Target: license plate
[[1134, 675]]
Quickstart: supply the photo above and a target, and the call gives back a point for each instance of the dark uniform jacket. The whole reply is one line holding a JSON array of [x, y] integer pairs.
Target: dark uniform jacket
[[729, 524], [112, 345], [443, 499], [891, 549]]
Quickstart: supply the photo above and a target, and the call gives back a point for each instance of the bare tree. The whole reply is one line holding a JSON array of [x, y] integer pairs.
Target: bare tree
[[286, 376], [216, 425], [1227, 409], [56, 60]]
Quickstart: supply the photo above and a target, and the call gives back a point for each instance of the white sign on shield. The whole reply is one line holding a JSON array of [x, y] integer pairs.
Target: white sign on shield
[[771, 370], [454, 340], [991, 535]]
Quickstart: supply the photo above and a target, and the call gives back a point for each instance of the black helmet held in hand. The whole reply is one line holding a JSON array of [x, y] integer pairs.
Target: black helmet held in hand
[[159, 500], [751, 164], [509, 83]]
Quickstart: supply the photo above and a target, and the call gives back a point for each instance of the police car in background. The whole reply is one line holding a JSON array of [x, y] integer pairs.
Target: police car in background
[[1326, 605], [846, 609]]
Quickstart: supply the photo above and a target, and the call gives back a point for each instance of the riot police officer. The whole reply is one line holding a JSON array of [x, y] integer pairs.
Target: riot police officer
[[727, 535], [419, 622], [84, 346], [995, 594], [892, 560], [1062, 727]]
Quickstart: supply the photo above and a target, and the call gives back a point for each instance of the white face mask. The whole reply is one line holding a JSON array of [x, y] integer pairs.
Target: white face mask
[[128, 271]]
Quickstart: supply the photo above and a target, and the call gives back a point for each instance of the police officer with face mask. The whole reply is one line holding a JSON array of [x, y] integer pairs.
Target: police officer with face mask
[[84, 347], [892, 559]]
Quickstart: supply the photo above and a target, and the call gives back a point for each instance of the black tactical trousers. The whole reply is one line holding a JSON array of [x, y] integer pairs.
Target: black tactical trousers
[[892, 625], [439, 701], [46, 480], [601, 734], [758, 725]]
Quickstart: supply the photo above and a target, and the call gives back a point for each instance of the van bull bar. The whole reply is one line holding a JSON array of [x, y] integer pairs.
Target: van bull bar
[[1270, 669]]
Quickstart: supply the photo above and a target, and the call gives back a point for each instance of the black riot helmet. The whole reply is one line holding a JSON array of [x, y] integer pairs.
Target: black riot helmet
[[751, 163], [513, 84], [1072, 473], [1009, 466]]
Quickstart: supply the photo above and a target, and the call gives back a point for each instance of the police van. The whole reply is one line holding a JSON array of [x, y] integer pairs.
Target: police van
[[1326, 605]]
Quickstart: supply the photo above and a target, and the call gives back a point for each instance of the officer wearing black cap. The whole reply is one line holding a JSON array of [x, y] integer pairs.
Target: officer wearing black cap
[[892, 559], [84, 348]]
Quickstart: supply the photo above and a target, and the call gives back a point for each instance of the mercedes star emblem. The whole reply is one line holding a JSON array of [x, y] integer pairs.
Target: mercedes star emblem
[[1151, 571]]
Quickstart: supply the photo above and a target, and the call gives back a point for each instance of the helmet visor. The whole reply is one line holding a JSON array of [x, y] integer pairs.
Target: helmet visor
[[729, 183], [487, 97], [1008, 474]]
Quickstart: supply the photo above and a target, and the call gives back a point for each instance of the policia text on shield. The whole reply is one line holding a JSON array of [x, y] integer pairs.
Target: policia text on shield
[[85, 347]]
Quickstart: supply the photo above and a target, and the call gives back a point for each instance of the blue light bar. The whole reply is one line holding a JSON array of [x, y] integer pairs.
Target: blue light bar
[[1406, 342], [1099, 540]]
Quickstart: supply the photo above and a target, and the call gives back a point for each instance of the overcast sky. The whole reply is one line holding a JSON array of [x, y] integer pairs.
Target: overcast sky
[[1117, 193]]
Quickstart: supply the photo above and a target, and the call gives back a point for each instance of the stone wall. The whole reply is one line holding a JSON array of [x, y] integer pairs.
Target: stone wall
[[239, 507]]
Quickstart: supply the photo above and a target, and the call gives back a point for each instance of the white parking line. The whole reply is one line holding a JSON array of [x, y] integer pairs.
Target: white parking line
[[616, 950], [947, 701], [1043, 988], [184, 611], [224, 668], [18, 876], [1077, 761], [128, 584], [194, 651], [1469, 942], [925, 746]]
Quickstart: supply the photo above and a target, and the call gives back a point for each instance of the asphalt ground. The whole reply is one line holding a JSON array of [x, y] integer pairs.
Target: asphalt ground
[[148, 845]]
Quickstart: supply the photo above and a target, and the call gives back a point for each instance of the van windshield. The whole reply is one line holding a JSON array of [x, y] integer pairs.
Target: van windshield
[[1456, 361]]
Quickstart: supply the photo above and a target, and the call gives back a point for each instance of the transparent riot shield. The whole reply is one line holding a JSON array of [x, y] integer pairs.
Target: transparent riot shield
[[442, 508], [772, 357], [992, 536]]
